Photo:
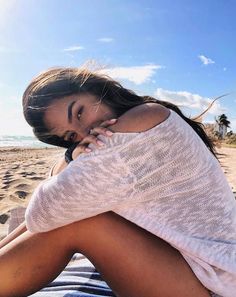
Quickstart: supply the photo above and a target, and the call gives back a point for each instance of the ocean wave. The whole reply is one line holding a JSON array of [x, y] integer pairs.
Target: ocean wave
[[21, 141]]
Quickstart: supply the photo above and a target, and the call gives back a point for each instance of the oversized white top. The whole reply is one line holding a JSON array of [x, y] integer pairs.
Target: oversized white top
[[164, 180]]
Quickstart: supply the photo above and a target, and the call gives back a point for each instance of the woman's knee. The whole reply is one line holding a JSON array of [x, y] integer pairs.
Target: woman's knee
[[77, 235], [121, 250]]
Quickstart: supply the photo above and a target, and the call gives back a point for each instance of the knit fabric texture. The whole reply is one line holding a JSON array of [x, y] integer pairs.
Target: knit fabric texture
[[166, 181]]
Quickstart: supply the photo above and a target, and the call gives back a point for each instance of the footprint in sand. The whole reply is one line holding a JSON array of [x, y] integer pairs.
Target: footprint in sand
[[23, 187], [40, 163], [16, 181], [17, 200], [7, 176], [21, 194], [21, 172], [31, 173], [16, 166], [36, 178], [6, 181], [26, 174]]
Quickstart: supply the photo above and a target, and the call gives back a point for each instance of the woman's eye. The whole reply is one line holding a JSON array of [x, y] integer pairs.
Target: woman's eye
[[72, 137], [79, 114]]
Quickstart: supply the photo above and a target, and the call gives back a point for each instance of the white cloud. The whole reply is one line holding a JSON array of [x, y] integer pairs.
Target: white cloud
[[224, 69], [73, 48], [205, 60], [135, 74], [189, 100], [106, 39]]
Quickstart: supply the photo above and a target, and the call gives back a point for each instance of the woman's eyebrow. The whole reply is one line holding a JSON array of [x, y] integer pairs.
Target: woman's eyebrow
[[69, 111]]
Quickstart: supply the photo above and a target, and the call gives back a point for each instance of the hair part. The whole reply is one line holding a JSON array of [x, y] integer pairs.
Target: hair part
[[57, 83]]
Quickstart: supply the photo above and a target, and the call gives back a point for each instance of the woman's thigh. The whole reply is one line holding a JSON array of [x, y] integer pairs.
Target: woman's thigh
[[133, 261]]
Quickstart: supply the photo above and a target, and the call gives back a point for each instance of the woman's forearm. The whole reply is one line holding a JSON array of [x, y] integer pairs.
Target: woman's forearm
[[14, 234]]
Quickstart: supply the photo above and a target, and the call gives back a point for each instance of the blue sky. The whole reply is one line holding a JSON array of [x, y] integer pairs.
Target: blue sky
[[182, 51]]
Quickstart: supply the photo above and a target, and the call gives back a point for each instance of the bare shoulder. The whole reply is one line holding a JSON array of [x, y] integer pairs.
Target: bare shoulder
[[141, 118]]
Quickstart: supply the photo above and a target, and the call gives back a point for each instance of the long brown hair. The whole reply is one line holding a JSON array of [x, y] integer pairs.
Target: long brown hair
[[56, 83]]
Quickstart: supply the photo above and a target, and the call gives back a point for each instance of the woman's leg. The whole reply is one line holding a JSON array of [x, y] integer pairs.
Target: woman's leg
[[132, 261], [31, 261]]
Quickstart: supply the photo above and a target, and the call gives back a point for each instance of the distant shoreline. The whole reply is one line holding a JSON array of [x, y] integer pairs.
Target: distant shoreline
[[21, 148], [21, 141]]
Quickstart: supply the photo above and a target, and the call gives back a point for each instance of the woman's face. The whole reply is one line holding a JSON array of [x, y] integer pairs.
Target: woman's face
[[74, 116]]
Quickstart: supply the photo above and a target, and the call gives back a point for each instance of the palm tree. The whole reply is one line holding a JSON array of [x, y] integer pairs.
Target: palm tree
[[224, 120], [222, 124]]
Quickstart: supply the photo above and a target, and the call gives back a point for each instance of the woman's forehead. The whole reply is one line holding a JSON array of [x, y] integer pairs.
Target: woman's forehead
[[55, 115]]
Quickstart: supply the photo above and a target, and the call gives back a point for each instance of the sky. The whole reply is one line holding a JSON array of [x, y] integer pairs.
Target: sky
[[181, 51]]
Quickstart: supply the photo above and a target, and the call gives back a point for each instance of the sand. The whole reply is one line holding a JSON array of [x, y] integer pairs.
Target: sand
[[227, 159], [21, 170]]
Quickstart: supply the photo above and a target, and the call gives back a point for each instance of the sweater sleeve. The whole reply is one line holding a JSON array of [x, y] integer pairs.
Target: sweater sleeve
[[88, 186]]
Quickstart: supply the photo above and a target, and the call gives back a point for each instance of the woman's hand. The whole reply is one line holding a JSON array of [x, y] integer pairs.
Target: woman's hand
[[82, 147]]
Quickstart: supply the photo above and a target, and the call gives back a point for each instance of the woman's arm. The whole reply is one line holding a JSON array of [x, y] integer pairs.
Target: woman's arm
[[141, 118], [56, 169], [14, 234], [137, 119], [91, 184]]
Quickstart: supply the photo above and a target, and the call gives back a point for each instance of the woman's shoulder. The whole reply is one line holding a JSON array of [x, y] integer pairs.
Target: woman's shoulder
[[141, 118]]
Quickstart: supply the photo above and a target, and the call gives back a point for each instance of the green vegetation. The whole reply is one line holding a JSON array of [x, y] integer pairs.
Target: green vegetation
[[230, 138], [217, 132]]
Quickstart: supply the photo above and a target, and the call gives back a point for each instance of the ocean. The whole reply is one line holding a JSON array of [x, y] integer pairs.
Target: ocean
[[21, 141]]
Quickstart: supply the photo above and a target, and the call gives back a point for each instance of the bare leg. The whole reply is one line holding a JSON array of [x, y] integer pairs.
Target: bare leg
[[132, 261], [31, 261]]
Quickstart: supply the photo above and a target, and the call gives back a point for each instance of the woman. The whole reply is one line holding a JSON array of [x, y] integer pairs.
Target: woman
[[164, 179]]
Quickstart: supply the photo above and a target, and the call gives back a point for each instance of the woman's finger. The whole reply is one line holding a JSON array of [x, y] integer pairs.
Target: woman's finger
[[82, 147], [100, 130], [79, 150], [91, 139], [108, 123]]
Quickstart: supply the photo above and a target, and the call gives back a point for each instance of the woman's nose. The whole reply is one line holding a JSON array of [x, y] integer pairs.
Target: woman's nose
[[80, 134]]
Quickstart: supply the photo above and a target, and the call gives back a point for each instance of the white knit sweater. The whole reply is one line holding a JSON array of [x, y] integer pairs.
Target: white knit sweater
[[164, 180]]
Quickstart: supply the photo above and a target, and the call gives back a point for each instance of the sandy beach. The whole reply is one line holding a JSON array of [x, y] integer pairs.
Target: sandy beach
[[22, 169], [227, 157]]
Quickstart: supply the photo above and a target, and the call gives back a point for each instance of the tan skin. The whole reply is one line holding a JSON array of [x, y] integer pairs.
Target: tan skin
[[132, 261]]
